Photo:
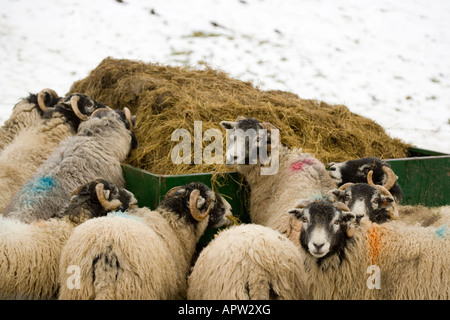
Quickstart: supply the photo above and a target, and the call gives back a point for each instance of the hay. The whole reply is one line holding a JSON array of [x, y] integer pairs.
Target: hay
[[166, 98]]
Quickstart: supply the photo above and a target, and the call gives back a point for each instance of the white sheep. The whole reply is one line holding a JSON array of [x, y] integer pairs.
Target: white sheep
[[29, 253], [344, 260], [96, 151], [33, 145], [248, 262], [299, 174], [27, 112], [142, 254]]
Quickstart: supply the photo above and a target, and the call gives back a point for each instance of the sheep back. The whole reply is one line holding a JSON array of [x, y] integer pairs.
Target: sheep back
[[21, 247], [247, 262], [129, 260], [300, 176]]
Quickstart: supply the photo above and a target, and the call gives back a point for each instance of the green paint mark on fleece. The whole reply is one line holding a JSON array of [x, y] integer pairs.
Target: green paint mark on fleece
[[123, 215], [442, 231]]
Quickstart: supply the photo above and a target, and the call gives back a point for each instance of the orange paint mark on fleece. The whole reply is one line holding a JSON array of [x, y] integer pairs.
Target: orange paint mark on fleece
[[374, 242]]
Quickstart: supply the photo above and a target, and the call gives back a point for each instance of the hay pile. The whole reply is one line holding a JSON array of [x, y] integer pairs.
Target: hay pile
[[166, 98]]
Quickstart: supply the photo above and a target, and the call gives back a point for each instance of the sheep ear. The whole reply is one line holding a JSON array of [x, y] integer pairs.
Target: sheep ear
[[336, 195], [296, 213], [350, 219], [228, 124], [200, 202]]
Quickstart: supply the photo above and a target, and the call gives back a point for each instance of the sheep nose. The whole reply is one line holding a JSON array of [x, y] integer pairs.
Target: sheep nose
[[318, 246]]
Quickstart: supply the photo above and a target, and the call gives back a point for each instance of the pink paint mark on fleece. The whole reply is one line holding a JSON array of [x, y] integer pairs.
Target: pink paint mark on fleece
[[299, 165]]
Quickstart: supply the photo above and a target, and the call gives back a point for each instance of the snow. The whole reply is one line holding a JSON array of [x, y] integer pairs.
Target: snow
[[385, 60]]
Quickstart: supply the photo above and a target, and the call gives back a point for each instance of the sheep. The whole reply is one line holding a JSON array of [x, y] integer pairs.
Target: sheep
[[377, 203], [247, 262], [346, 260], [26, 113], [356, 171], [271, 195], [31, 147], [142, 254], [368, 199], [96, 151], [29, 253]]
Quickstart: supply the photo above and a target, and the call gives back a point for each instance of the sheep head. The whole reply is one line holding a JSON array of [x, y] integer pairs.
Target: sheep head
[[246, 138], [97, 198], [196, 203], [326, 226], [356, 171]]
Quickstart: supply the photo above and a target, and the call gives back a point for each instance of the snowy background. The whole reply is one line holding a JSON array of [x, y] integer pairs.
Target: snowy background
[[386, 60]]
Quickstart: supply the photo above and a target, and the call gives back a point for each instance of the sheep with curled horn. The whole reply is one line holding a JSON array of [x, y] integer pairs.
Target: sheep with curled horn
[[379, 205], [26, 113], [368, 199], [29, 263], [406, 262], [272, 194], [142, 253], [101, 144], [356, 171]]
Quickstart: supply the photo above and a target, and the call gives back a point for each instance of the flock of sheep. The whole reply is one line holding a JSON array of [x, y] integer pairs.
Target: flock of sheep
[[70, 230]]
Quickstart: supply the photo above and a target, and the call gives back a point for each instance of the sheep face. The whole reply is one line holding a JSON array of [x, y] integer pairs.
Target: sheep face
[[365, 200], [356, 171], [326, 227], [246, 138], [195, 202], [96, 199], [75, 108]]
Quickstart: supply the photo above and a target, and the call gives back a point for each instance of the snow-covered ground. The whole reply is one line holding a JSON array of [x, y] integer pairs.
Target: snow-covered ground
[[386, 60]]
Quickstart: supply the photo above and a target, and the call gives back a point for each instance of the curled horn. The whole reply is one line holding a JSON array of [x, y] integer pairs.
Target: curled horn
[[106, 204], [390, 177], [76, 191], [74, 104], [346, 185], [128, 117], [341, 206], [196, 214], [393, 212], [41, 98]]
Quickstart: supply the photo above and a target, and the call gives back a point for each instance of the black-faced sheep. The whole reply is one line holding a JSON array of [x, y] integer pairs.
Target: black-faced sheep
[[30, 253], [272, 194], [344, 260], [142, 254], [356, 171], [27, 112], [248, 262], [368, 199], [96, 151], [31, 147]]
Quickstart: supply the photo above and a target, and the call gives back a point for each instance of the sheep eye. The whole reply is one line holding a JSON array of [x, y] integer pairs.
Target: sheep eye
[[346, 197], [366, 170], [305, 220], [376, 201], [336, 223]]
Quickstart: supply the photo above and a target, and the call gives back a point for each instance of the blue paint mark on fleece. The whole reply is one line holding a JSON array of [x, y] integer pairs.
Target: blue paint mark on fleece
[[442, 231], [40, 185], [122, 214]]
